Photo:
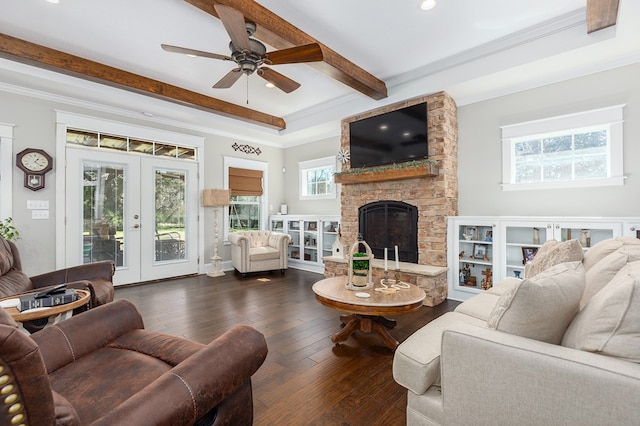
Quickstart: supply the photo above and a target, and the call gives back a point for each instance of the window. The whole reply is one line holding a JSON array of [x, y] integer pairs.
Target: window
[[247, 182], [316, 178], [577, 150]]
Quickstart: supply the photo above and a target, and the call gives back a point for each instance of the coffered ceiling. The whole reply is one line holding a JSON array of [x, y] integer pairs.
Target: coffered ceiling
[[375, 52]]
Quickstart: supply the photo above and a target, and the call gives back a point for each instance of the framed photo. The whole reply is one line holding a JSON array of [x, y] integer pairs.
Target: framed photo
[[488, 235], [470, 233], [313, 226], [528, 253], [479, 251]]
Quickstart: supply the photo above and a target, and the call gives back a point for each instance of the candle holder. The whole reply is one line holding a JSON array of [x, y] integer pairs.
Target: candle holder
[[385, 281]]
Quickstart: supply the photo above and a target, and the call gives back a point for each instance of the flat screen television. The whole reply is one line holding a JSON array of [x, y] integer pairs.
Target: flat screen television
[[393, 137]]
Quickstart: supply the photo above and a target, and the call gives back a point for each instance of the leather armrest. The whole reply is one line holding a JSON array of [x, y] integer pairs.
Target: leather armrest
[[89, 271], [196, 385], [68, 340]]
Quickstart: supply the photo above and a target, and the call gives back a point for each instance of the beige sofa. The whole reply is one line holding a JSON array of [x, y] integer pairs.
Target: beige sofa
[[255, 251], [561, 347]]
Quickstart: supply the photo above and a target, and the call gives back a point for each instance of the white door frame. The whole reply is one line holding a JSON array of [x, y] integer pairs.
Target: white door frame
[[6, 169], [68, 119]]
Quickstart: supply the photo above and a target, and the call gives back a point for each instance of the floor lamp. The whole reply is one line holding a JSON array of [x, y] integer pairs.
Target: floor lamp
[[215, 198]]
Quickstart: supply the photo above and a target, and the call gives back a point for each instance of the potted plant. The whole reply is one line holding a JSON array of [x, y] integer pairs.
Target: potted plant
[[360, 269], [8, 231]]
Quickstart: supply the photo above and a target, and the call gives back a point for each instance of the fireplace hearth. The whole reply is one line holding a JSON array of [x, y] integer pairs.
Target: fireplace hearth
[[387, 224]]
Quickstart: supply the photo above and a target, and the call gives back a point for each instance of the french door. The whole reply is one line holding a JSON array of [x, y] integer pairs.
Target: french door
[[140, 212]]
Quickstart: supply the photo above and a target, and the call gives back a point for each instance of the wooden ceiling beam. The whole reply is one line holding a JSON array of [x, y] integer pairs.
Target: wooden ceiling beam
[[601, 14], [276, 32], [44, 57]]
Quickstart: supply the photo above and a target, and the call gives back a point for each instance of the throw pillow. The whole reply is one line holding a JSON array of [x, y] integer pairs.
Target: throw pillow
[[552, 253], [541, 307], [603, 272], [610, 323], [602, 249]]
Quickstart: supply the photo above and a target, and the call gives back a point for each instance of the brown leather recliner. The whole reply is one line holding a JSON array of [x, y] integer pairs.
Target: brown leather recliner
[[96, 277], [102, 368]]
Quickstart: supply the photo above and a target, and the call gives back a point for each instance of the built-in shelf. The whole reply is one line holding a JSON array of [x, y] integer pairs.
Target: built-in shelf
[[388, 174]]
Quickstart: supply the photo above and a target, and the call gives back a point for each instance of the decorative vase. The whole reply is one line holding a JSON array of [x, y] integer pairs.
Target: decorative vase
[[359, 267], [516, 274], [536, 236]]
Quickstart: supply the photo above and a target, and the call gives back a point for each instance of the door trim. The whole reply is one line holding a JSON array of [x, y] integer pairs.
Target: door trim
[[68, 119]]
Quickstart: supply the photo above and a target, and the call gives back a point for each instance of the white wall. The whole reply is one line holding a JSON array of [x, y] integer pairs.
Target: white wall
[[480, 155], [311, 151]]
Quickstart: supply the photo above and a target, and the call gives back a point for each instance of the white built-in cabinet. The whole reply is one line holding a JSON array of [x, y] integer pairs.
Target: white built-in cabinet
[[311, 238], [484, 250]]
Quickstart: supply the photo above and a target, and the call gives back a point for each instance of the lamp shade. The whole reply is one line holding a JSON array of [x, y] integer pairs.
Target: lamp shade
[[215, 197]]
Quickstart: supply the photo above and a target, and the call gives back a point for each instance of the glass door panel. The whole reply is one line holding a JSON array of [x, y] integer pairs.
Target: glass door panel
[[103, 236], [170, 215]]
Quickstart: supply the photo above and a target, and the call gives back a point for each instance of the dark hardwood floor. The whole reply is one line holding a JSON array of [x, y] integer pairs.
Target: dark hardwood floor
[[306, 379]]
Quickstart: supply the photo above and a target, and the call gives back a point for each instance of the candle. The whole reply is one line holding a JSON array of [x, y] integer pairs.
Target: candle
[[385, 259], [397, 261]]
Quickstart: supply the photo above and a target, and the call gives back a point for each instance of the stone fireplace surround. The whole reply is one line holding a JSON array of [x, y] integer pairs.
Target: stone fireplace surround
[[435, 196]]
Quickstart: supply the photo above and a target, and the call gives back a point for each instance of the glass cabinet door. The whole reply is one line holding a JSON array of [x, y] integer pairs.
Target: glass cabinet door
[[474, 245], [310, 240], [329, 235], [277, 225], [586, 232], [293, 228], [522, 241]]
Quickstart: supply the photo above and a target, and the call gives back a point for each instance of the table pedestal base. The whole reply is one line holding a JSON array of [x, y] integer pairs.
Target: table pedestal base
[[368, 324]]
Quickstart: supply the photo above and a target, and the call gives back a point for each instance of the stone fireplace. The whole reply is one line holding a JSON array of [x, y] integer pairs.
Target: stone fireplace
[[435, 197]]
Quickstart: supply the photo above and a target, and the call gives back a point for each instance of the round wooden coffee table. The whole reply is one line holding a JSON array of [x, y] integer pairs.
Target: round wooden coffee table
[[367, 314], [63, 311]]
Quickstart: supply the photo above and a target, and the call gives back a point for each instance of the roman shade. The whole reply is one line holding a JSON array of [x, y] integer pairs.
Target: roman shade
[[245, 181]]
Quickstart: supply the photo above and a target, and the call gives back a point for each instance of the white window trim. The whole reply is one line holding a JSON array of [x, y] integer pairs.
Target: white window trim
[[252, 165], [612, 116], [315, 164]]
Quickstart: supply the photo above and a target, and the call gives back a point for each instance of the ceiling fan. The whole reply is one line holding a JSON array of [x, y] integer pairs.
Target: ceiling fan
[[251, 55]]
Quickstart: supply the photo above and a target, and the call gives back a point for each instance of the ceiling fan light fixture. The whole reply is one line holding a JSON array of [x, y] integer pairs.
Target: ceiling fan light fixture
[[427, 4], [269, 85]]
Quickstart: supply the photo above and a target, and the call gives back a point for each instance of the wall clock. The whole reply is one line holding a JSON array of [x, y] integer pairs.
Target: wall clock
[[35, 163]]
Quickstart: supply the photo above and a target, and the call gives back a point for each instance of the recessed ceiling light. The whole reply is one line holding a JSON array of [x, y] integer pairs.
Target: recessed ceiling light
[[53, 1], [427, 4], [269, 85]]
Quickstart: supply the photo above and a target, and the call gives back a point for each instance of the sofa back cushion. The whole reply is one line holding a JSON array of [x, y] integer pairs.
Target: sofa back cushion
[[6, 257], [541, 307], [553, 253], [609, 324]]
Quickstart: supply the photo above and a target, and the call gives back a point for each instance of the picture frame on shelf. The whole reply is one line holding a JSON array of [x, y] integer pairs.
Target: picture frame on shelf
[[313, 226], [488, 235], [479, 251], [470, 233], [528, 253]]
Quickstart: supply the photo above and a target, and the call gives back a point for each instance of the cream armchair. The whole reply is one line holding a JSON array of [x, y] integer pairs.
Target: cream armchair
[[254, 251]]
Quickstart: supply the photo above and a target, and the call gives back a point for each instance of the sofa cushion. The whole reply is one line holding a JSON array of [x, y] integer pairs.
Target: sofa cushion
[[541, 307], [602, 272], [6, 257], [479, 306], [256, 254], [416, 363], [552, 253], [602, 249], [609, 324]]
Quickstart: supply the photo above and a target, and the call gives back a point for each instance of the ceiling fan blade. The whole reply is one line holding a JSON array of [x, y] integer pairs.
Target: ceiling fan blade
[[228, 80], [294, 55], [233, 21], [193, 52], [280, 81]]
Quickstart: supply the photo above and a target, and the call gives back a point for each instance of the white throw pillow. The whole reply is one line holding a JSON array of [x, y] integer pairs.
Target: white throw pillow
[[541, 307], [610, 323], [603, 272], [553, 253], [602, 249]]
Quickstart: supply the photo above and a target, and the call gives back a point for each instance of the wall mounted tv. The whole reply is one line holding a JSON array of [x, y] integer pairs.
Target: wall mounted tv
[[394, 137]]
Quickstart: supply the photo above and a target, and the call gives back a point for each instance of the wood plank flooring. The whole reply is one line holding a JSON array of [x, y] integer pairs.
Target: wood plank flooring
[[306, 379]]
